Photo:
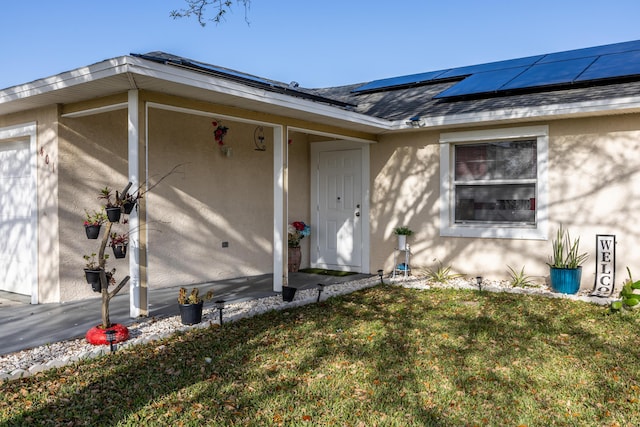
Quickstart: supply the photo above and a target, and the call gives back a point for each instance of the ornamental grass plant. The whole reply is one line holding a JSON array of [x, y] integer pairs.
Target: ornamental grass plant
[[384, 356]]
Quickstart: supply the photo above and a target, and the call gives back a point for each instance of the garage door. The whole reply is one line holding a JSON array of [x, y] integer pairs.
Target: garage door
[[17, 217]]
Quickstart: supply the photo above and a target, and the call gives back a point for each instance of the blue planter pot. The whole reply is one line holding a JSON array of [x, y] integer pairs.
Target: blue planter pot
[[566, 280]]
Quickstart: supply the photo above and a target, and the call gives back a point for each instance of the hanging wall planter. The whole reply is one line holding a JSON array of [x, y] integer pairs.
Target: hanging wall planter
[[119, 251], [114, 214], [92, 231], [93, 279], [128, 207]]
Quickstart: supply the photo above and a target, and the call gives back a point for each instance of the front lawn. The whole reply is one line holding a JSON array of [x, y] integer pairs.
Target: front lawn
[[385, 356]]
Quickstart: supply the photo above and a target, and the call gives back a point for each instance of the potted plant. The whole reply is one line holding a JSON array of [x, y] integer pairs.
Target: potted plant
[[296, 231], [92, 222], [129, 202], [566, 263], [93, 270], [191, 305], [402, 232], [113, 208], [119, 244]]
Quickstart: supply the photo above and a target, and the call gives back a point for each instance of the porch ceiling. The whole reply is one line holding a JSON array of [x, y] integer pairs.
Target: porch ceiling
[[122, 74]]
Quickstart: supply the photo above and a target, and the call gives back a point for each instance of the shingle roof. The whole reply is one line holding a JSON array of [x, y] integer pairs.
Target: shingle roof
[[404, 97]]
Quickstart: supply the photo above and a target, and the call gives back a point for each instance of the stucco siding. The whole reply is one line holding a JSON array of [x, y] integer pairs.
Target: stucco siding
[[594, 172], [93, 155]]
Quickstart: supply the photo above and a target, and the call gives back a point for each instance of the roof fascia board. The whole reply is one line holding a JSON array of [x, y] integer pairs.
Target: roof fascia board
[[228, 87], [67, 79], [554, 111]]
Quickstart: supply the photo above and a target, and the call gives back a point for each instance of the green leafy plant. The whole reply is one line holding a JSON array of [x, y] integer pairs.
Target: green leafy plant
[[518, 278], [566, 252], [94, 218], [92, 262], [628, 298], [442, 274], [194, 297], [402, 231], [119, 239]]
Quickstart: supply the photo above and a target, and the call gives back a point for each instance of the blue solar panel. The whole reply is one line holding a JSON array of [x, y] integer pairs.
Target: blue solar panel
[[547, 74], [490, 66], [579, 65], [399, 81], [611, 66], [225, 71], [591, 51], [487, 82]]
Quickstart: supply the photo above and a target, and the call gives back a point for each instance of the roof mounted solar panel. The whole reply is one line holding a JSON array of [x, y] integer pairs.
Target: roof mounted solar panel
[[550, 73], [398, 81], [479, 83], [490, 66], [613, 66], [592, 51]]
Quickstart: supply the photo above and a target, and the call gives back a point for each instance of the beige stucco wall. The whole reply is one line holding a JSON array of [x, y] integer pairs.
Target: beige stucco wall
[[210, 198], [594, 177], [93, 155]]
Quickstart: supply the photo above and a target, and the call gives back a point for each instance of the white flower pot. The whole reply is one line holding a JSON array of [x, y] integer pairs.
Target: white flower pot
[[402, 241]]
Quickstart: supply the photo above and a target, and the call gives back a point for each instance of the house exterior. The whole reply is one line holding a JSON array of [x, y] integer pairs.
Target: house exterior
[[482, 162]]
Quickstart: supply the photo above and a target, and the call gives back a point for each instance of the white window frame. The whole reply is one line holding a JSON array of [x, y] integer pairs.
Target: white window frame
[[448, 226]]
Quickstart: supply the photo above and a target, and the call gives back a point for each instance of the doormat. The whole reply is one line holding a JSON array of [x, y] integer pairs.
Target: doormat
[[327, 272]]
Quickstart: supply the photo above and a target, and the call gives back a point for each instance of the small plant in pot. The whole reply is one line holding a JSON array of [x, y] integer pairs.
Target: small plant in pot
[[92, 271], [119, 244], [92, 222], [191, 305], [112, 207], [402, 232], [566, 263]]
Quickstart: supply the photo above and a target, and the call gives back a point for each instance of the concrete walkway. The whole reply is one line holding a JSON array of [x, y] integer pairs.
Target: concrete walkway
[[24, 326]]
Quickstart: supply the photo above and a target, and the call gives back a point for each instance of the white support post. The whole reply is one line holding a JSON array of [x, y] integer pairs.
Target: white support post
[[279, 144], [137, 293]]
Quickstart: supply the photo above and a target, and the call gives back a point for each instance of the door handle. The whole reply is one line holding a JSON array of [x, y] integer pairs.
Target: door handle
[[357, 213]]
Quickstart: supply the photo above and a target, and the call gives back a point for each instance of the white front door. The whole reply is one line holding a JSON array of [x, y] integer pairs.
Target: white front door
[[17, 217], [339, 216]]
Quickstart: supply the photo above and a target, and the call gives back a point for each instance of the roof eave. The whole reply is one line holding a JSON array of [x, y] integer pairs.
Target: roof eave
[[622, 105], [137, 66]]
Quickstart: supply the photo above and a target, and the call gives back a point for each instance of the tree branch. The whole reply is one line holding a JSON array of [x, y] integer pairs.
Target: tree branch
[[197, 8]]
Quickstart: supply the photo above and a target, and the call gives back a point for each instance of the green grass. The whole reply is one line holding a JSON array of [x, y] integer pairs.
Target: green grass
[[324, 272], [385, 356]]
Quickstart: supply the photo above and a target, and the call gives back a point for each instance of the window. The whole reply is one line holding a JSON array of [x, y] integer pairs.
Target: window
[[493, 183]]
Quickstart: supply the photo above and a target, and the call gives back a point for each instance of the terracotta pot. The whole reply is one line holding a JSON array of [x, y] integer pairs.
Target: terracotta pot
[[294, 260]]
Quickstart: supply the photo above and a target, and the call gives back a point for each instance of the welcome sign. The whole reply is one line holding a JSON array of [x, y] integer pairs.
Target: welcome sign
[[605, 265]]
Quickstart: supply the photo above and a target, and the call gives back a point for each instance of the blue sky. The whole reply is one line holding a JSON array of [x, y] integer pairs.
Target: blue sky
[[316, 43]]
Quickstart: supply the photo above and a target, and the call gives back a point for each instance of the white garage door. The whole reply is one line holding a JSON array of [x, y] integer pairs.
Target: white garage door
[[18, 255]]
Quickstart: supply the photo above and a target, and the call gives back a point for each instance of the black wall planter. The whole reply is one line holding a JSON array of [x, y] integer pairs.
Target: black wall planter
[[119, 251], [114, 214], [93, 278], [128, 207], [288, 293], [191, 314], [92, 231]]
